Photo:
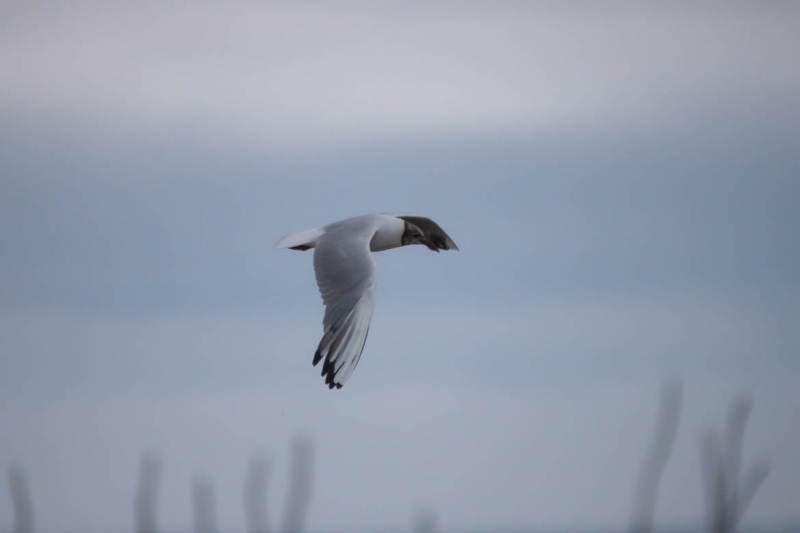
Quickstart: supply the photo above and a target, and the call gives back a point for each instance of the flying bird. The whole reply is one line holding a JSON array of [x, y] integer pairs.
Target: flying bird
[[347, 275]]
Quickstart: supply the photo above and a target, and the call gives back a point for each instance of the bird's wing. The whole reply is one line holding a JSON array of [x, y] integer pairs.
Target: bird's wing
[[433, 232], [346, 276]]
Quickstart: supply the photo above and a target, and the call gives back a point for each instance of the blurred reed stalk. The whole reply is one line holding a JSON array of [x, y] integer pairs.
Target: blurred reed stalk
[[728, 494], [21, 500], [298, 499], [255, 496], [204, 503], [655, 461], [300, 480], [424, 521], [145, 506]]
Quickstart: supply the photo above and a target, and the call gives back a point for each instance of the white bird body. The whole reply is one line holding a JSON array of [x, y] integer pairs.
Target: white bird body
[[347, 276]]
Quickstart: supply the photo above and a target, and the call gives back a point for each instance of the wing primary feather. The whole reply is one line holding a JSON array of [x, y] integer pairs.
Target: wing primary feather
[[317, 357], [342, 354], [322, 349], [346, 277], [327, 372], [358, 357]]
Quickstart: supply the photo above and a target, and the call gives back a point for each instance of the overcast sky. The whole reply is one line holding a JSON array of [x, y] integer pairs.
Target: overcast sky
[[622, 182]]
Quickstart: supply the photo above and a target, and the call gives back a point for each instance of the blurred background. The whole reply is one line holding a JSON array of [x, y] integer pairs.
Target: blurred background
[[622, 181]]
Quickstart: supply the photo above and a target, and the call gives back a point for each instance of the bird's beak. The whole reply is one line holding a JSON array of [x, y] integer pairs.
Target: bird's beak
[[430, 245]]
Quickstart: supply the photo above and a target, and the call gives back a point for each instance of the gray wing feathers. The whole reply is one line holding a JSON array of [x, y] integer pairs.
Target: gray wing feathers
[[346, 276], [342, 345]]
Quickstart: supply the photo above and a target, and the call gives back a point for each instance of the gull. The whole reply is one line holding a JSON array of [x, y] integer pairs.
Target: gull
[[347, 276]]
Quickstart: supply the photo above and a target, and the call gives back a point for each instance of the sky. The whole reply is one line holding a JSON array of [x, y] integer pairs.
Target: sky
[[621, 180]]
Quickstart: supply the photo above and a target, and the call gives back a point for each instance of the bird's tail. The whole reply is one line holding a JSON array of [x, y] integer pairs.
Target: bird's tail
[[301, 240]]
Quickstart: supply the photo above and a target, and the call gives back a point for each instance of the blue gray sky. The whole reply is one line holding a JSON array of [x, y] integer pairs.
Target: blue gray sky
[[622, 182]]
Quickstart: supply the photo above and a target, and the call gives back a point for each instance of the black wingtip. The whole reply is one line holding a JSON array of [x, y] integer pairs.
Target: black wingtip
[[328, 372], [317, 357]]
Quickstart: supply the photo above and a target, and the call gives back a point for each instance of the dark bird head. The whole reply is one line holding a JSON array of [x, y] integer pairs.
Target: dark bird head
[[413, 235]]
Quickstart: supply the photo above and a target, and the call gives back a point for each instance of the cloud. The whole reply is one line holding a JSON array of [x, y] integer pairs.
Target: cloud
[[287, 76]]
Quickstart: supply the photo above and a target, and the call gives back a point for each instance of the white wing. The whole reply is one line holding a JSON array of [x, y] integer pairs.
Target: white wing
[[346, 276]]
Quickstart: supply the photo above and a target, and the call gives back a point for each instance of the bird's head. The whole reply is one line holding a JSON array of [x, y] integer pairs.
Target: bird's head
[[413, 235]]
